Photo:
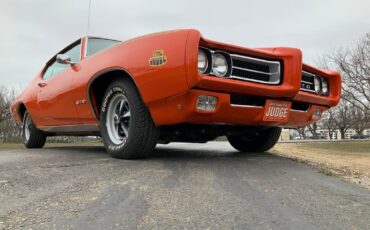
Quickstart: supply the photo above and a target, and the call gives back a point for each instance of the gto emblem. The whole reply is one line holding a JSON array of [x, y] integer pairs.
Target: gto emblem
[[158, 58]]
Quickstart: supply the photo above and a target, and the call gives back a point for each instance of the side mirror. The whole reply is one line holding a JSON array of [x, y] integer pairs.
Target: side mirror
[[64, 59]]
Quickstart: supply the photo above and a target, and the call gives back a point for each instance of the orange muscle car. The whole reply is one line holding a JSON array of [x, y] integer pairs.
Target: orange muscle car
[[173, 86]]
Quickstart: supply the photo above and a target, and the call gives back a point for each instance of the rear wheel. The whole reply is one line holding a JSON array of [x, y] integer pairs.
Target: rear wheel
[[265, 140], [32, 137], [126, 125]]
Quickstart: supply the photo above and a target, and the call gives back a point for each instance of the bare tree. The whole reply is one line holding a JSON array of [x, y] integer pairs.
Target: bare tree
[[4, 105], [9, 130], [361, 120], [354, 65], [343, 117], [328, 122], [302, 132], [313, 130]]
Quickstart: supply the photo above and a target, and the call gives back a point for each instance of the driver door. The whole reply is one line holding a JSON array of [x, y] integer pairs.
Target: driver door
[[54, 99]]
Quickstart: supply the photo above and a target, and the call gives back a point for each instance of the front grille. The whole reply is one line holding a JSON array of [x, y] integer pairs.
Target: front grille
[[307, 82], [255, 70], [250, 75]]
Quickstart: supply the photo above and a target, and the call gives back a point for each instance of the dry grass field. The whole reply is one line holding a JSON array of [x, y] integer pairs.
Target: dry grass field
[[347, 160]]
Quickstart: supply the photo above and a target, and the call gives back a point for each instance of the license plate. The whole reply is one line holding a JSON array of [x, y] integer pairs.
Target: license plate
[[277, 110]]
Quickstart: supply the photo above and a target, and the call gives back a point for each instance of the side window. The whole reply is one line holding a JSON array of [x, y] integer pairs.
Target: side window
[[75, 53], [95, 45], [48, 73], [55, 68]]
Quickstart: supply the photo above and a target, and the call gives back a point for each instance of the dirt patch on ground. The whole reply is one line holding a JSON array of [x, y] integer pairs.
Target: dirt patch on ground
[[347, 160]]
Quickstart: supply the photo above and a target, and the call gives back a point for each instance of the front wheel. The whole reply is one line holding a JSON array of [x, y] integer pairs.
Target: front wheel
[[32, 137], [127, 128], [265, 140]]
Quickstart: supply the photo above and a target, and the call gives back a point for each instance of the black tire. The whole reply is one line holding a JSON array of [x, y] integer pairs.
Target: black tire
[[265, 140], [35, 137], [142, 133]]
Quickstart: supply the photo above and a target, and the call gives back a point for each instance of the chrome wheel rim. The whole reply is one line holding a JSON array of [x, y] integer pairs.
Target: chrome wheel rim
[[27, 128], [118, 119]]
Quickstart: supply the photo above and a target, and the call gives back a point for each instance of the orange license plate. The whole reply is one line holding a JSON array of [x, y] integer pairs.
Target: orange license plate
[[277, 110]]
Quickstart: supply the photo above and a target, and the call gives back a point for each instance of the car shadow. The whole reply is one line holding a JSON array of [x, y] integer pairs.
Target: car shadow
[[185, 151]]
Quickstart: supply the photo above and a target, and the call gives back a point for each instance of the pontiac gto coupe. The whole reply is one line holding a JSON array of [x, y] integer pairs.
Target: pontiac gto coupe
[[173, 86]]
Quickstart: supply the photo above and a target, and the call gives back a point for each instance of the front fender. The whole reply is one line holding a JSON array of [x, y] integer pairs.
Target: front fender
[[154, 80]]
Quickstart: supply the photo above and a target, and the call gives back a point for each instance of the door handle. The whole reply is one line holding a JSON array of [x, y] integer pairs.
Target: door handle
[[42, 84]]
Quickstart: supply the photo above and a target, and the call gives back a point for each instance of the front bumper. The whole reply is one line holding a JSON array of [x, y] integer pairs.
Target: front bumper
[[182, 109]]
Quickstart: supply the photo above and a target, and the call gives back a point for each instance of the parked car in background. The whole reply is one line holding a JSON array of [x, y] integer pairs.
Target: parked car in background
[[359, 136], [173, 86], [321, 136]]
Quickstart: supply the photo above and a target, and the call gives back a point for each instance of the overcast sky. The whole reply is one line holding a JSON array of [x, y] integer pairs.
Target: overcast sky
[[33, 31]]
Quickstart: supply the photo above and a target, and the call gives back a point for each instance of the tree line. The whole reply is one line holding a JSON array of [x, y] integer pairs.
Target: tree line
[[10, 131]]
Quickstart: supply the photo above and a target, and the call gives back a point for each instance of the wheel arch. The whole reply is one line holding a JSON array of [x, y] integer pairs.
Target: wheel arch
[[21, 111], [99, 83]]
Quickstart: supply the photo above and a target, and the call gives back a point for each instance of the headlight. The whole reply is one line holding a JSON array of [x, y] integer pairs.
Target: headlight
[[219, 65], [202, 61], [324, 86], [317, 84]]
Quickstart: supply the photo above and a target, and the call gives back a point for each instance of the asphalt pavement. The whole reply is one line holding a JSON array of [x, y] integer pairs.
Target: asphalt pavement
[[181, 186]]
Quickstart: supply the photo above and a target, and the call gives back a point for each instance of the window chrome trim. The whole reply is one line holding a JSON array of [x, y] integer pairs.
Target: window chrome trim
[[85, 51]]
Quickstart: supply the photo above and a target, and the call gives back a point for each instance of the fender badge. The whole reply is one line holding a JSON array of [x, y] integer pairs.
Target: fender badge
[[158, 58]]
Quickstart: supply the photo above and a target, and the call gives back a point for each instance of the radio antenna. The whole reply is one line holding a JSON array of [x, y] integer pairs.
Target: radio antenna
[[88, 19]]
